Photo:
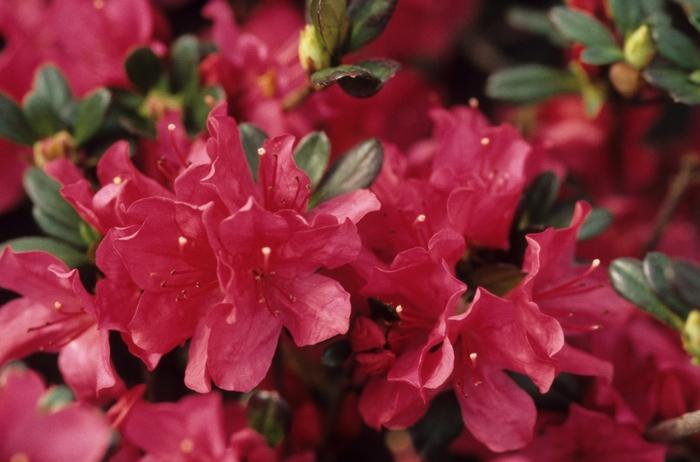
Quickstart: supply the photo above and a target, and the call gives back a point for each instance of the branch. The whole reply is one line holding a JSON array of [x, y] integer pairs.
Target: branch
[[676, 428]]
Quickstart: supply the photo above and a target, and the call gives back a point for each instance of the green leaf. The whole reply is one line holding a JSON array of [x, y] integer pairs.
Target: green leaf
[[252, 138], [534, 21], [361, 80], [143, 68], [530, 83], [57, 229], [269, 415], [598, 221], [356, 169], [72, 257], [55, 398], [686, 281], [48, 106], [440, 425], [627, 277], [537, 201], [336, 353], [368, 18], [627, 14], [184, 57], [581, 28], [676, 47], [676, 82], [312, 155], [13, 124], [90, 115], [600, 55], [328, 17], [658, 271], [44, 193]]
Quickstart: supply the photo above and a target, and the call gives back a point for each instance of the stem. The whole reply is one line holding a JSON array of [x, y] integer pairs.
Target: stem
[[296, 97], [676, 429], [684, 178]]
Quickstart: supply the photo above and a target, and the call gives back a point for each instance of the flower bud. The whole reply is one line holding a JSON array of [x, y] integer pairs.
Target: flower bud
[[54, 147], [639, 47], [312, 54], [625, 79], [691, 335]]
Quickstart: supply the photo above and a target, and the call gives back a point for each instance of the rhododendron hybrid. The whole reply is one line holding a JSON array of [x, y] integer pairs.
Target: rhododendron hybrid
[[340, 230]]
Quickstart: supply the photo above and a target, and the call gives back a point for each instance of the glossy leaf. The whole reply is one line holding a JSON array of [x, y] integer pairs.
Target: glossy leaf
[[143, 68], [312, 155], [328, 17], [184, 57], [627, 277], [597, 222], [676, 82], [530, 83], [368, 18], [686, 281], [600, 55], [48, 106], [356, 169], [677, 47], [361, 80], [627, 14], [581, 28], [56, 228], [90, 115], [44, 193], [534, 21], [658, 271], [13, 123]]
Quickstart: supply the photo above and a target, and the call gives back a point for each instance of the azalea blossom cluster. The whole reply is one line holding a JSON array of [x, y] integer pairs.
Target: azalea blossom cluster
[[260, 242]]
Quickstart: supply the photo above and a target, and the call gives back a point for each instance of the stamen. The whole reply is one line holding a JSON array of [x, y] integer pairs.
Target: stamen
[[182, 241], [420, 218], [98, 4], [117, 180], [398, 309], [19, 457], [209, 101], [266, 252], [472, 357], [485, 141], [262, 151], [473, 103], [178, 152], [593, 266], [57, 305]]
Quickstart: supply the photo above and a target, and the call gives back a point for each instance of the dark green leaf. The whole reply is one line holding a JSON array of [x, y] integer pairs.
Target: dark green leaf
[[600, 55], [535, 21], [185, 59], [530, 83], [356, 169], [200, 107], [627, 14], [312, 154], [13, 124], [268, 414], [658, 271], [440, 425], [328, 17], [581, 28], [368, 18], [44, 193], [57, 229], [252, 138], [597, 222], [361, 80], [143, 68], [627, 277], [676, 82], [90, 115], [70, 256], [686, 281], [336, 353], [48, 106], [538, 199], [676, 47]]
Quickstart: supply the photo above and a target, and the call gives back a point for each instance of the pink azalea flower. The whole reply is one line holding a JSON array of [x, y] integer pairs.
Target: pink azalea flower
[[55, 314], [588, 436], [73, 432]]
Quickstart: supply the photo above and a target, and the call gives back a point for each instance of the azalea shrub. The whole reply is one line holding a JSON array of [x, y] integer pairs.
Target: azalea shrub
[[340, 230]]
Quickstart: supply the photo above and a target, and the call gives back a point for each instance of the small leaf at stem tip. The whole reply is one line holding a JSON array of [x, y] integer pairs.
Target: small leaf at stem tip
[[368, 18], [676, 82], [328, 17], [143, 68], [686, 282], [361, 80], [356, 169], [627, 277], [90, 115], [658, 271], [530, 83], [582, 28], [14, 126], [596, 223], [48, 106], [312, 155], [44, 193]]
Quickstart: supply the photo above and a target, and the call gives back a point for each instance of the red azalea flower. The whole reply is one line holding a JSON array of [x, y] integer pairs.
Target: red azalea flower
[[73, 432], [55, 314]]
